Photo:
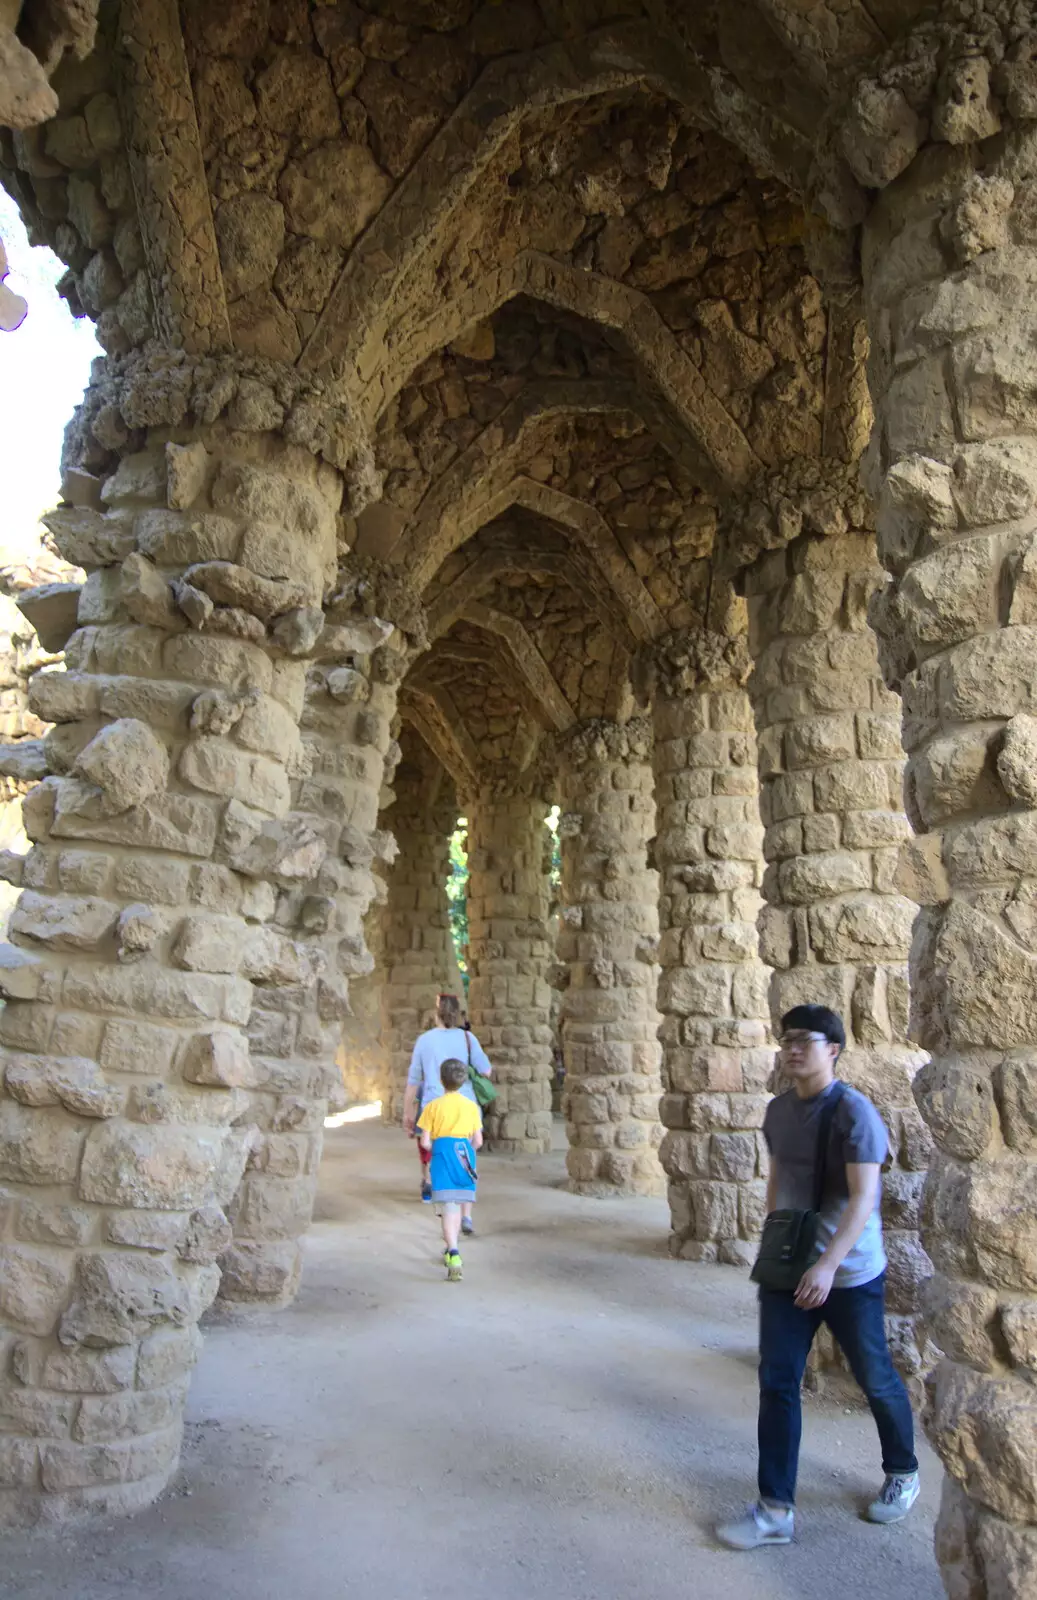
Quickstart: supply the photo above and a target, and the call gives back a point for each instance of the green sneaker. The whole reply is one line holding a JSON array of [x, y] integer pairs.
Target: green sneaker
[[453, 1266]]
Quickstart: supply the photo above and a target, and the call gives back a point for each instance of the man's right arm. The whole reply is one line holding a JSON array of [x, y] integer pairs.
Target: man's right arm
[[772, 1187], [772, 1165]]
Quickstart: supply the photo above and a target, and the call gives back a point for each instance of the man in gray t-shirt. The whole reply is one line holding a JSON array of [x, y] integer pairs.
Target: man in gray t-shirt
[[843, 1285], [857, 1137]]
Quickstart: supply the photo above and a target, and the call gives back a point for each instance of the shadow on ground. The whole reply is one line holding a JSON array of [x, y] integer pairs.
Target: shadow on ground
[[567, 1423]]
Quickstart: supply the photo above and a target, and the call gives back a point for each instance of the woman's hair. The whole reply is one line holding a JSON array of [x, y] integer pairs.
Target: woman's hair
[[448, 1010], [452, 1074]]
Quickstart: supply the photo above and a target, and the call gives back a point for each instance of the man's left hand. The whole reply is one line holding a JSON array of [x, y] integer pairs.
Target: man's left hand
[[815, 1286]]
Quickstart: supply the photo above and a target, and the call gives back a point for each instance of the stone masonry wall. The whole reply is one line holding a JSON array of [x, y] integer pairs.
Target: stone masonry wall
[[420, 959], [608, 936], [713, 990], [835, 929], [168, 907], [141, 937], [295, 1025], [950, 263], [363, 1055], [509, 944]]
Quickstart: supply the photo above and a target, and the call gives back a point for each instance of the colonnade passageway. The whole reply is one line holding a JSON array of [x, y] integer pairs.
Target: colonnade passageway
[[617, 412], [569, 1420]]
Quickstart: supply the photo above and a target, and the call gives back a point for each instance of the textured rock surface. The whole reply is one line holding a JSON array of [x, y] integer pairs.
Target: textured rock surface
[[454, 361], [954, 532], [419, 961], [154, 941], [836, 929], [509, 998], [608, 937], [713, 990]]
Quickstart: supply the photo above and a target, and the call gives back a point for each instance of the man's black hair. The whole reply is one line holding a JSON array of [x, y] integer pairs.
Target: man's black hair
[[816, 1019]]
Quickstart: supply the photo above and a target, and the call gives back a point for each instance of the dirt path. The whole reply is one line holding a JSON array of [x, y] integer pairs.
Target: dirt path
[[565, 1424]]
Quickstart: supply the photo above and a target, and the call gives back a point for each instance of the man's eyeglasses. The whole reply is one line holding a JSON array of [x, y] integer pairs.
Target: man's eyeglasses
[[801, 1041]]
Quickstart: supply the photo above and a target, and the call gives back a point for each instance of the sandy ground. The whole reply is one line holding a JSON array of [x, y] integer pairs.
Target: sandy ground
[[567, 1423]]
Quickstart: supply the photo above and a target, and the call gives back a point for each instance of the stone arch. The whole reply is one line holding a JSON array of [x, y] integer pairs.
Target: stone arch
[[464, 499], [423, 554], [515, 429], [724, 458], [534, 670], [431, 712], [371, 286], [511, 654], [490, 565]]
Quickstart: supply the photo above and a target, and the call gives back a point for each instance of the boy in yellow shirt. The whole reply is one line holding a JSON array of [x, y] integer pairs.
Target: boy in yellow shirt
[[451, 1128]]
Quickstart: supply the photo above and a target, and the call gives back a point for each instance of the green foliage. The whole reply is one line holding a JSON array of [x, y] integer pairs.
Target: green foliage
[[457, 895], [457, 883], [554, 871]]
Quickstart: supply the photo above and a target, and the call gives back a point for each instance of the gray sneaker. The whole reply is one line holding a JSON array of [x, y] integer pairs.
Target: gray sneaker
[[760, 1525], [896, 1497]]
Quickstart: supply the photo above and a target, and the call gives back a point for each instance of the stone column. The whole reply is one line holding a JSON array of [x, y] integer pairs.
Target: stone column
[[144, 926], [364, 1052], [509, 950], [836, 929], [295, 1025], [420, 958], [950, 257], [608, 936], [716, 1064]]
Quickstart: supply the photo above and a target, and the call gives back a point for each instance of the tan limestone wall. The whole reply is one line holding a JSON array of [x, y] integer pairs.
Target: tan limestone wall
[[363, 1055], [420, 960], [509, 998], [836, 929], [950, 265], [713, 989], [295, 1026], [141, 937], [160, 934], [608, 932]]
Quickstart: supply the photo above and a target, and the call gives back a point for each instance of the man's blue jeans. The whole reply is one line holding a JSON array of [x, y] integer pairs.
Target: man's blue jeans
[[856, 1318]]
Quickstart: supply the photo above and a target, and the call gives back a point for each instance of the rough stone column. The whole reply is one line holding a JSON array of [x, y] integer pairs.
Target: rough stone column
[[950, 272], [608, 936], [509, 951], [835, 928], [716, 1064], [420, 959], [295, 1025], [144, 928], [364, 1052]]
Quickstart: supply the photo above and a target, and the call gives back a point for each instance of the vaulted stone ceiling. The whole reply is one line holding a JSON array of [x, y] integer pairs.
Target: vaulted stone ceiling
[[561, 261], [544, 430]]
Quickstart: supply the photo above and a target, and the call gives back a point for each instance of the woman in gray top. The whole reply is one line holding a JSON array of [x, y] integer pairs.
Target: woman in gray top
[[450, 1040]]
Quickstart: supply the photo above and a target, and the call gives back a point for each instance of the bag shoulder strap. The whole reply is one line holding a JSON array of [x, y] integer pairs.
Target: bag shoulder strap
[[824, 1134], [468, 1047]]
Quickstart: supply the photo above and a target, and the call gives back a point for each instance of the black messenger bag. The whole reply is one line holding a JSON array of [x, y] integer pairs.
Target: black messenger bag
[[790, 1237]]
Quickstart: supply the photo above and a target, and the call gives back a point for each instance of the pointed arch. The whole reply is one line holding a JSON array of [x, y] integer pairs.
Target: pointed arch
[[721, 455], [431, 538], [534, 670], [371, 290], [449, 605], [431, 712]]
